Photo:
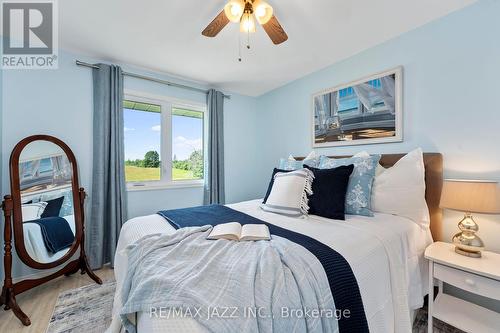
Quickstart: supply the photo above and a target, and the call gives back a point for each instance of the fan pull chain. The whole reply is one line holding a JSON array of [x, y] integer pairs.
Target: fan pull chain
[[239, 47], [248, 39]]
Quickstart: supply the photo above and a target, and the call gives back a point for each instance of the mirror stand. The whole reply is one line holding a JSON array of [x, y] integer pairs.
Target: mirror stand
[[8, 296], [10, 289]]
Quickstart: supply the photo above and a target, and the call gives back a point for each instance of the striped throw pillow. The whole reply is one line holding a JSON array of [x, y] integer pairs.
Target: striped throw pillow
[[289, 195]]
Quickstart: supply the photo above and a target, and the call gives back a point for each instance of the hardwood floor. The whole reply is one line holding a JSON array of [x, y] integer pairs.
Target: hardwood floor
[[38, 303]]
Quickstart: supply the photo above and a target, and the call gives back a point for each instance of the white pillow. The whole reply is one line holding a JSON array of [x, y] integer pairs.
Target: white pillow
[[289, 195], [32, 211], [400, 190], [379, 170]]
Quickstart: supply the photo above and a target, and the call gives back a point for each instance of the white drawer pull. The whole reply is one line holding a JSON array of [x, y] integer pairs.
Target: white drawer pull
[[470, 282]]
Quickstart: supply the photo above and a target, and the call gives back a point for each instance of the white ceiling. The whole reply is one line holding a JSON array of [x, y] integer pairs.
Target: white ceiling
[[166, 36]]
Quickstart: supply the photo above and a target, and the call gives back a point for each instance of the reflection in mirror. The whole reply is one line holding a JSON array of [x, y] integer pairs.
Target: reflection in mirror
[[45, 175]]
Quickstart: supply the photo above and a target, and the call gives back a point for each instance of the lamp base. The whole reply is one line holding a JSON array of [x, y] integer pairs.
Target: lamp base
[[468, 253], [466, 242]]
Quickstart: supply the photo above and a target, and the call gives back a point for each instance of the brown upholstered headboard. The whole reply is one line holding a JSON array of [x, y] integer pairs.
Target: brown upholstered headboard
[[433, 163]]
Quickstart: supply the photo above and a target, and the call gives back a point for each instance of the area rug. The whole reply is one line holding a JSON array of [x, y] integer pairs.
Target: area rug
[[88, 310]]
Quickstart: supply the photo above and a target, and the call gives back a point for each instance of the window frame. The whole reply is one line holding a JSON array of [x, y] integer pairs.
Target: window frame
[[168, 103]]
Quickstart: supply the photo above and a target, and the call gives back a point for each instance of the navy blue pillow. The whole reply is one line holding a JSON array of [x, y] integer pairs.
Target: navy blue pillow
[[53, 207], [271, 183], [329, 191]]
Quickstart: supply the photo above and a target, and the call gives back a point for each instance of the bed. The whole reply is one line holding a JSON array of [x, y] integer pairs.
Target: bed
[[33, 240], [32, 233], [385, 253]]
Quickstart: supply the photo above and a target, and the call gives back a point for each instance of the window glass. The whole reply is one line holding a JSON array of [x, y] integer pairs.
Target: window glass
[[187, 144], [142, 131]]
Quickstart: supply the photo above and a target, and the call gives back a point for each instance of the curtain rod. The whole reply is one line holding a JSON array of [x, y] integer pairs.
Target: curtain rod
[[149, 78]]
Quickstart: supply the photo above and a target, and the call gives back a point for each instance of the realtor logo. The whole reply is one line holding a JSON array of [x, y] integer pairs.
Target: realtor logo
[[29, 34]]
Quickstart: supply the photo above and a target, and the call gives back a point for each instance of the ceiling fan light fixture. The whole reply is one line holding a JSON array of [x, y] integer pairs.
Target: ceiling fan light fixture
[[246, 12], [263, 11], [247, 23], [234, 9]]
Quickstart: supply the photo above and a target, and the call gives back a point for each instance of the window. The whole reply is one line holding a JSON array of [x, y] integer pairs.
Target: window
[[164, 143], [349, 101], [142, 142], [187, 148]]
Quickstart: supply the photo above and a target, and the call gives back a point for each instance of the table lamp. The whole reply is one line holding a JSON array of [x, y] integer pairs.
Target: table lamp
[[470, 196]]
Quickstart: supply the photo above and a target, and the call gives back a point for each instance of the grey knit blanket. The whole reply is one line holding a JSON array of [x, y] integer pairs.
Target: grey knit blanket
[[227, 286]]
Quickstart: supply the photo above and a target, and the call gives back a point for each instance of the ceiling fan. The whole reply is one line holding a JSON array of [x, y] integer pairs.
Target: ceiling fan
[[243, 11]]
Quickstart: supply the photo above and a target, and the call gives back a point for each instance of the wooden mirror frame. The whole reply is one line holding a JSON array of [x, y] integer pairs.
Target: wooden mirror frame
[[16, 200], [12, 208]]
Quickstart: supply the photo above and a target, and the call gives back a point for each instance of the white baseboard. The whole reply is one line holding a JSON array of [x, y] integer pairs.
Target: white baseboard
[[41, 274], [36, 275]]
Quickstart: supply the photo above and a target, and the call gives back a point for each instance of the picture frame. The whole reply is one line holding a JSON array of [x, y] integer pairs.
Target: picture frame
[[365, 111]]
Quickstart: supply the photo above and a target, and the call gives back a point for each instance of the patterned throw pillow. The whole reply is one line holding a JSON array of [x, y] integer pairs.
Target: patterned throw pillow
[[358, 199], [291, 163]]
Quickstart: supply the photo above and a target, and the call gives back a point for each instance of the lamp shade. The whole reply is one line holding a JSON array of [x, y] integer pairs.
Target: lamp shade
[[473, 196], [247, 23], [234, 9], [263, 12]]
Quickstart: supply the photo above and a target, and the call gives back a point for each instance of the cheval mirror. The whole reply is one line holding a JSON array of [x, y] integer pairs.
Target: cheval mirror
[[45, 209]]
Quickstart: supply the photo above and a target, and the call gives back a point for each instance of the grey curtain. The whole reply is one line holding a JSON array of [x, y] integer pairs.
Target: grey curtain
[[108, 199], [214, 178]]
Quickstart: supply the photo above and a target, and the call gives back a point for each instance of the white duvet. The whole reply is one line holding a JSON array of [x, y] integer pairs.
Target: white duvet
[[385, 253]]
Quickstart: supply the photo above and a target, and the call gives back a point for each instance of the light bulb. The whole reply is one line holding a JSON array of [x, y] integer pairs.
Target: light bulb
[[234, 9], [263, 11], [247, 23], [260, 11]]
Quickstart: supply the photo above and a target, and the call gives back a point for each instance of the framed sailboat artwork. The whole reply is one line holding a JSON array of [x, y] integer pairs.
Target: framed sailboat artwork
[[365, 111]]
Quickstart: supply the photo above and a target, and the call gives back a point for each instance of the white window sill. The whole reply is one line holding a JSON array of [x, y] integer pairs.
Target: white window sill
[[165, 186]]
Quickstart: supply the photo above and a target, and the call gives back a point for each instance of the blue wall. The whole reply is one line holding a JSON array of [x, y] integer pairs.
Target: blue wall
[[59, 103], [451, 89]]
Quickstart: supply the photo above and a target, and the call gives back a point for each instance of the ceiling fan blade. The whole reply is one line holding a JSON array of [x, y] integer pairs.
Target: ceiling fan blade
[[218, 23], [275, 31]]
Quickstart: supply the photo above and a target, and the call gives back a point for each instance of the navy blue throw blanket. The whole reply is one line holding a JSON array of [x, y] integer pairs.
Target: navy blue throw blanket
[[56, 233], [343, 284]]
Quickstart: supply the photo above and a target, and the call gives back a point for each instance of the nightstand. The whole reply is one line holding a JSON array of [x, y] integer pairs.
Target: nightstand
[[480, 276]]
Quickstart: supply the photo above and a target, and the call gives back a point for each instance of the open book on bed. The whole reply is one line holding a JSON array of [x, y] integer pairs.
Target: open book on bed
[[237, 232]]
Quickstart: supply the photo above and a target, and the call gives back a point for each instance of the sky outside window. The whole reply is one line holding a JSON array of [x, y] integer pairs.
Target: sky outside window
[[142, 133], [187, 144], [187, 133]]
